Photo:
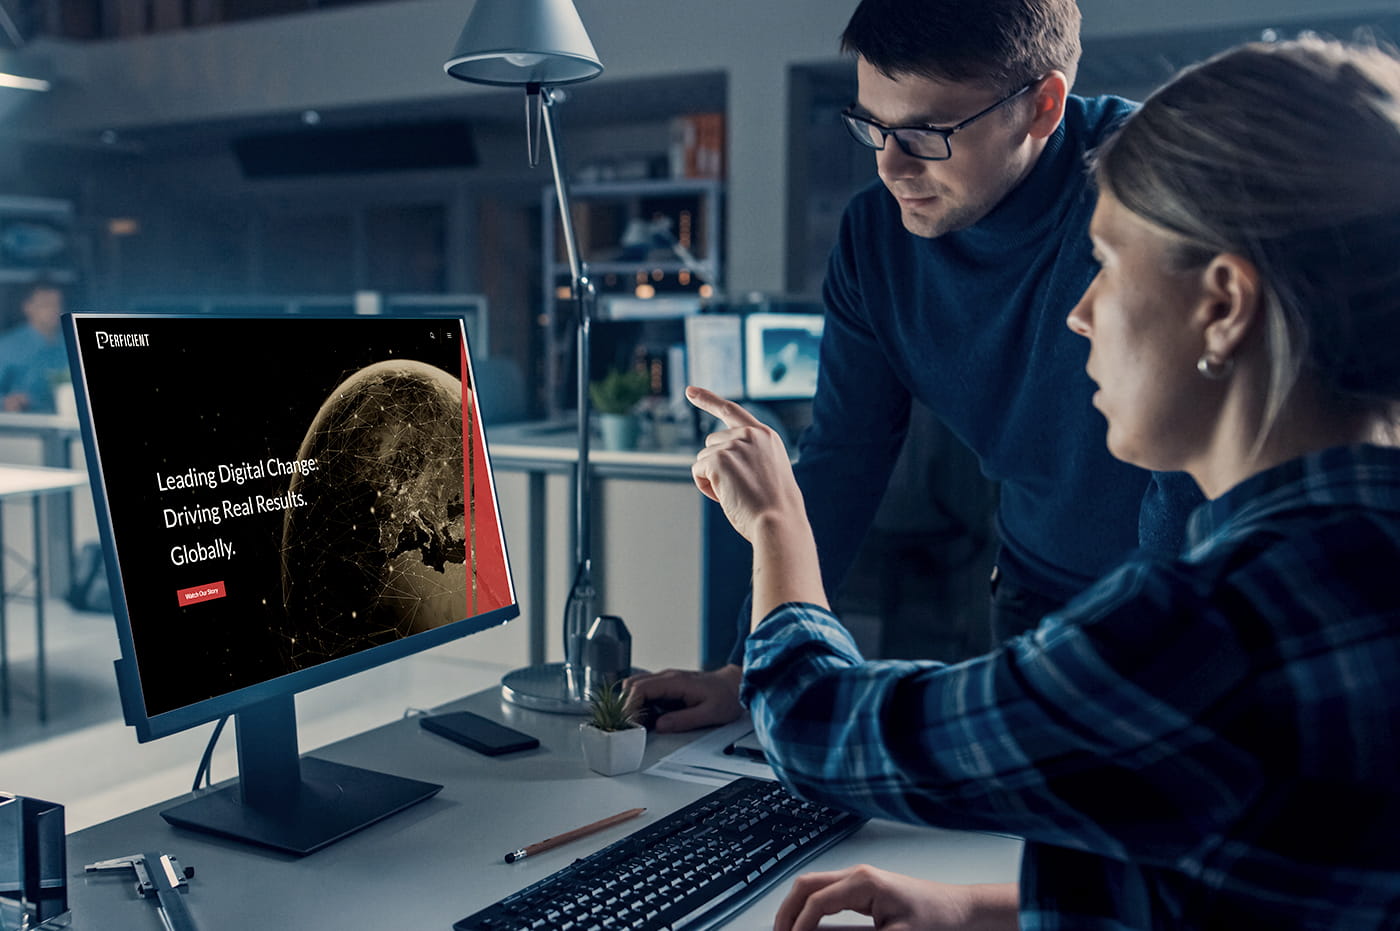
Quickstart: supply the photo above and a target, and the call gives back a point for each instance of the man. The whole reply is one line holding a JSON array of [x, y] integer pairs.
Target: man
[[950, 283], [33, 353]]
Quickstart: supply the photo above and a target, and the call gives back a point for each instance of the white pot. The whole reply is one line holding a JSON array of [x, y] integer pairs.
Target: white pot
[[613, 752]]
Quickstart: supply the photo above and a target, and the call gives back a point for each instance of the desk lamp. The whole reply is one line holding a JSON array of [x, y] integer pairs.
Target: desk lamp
[[539, 45]]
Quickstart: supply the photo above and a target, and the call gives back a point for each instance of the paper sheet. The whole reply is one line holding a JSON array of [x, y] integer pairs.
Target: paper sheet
[[703, 760]]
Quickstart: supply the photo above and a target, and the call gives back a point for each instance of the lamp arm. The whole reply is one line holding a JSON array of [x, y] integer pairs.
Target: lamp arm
[[561, 185], [584, 296], [579, 609]]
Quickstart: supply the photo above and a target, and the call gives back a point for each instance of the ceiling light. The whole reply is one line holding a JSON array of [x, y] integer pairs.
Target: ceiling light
[[22, 83]]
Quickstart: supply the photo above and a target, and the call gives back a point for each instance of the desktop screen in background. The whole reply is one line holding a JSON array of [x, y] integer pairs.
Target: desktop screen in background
[[283, 492], [781, 352]]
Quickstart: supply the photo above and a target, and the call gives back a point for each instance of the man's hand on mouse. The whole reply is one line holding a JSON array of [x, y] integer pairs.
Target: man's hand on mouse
[[685, 699]]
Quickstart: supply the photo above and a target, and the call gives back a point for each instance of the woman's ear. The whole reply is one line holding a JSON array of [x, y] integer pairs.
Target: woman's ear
[[1231, 303], [1049, 99]]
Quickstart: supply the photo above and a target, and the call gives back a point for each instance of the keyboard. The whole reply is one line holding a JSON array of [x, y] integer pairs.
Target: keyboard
[[689, 871]]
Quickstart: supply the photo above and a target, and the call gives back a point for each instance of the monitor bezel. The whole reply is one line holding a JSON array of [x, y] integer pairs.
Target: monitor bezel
[[150, 727]]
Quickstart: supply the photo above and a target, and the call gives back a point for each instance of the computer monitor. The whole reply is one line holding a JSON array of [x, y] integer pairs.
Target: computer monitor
[[473, 308], [284, 501], [780, 355]]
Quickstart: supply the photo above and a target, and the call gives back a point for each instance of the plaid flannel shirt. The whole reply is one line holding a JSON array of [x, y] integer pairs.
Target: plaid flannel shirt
[[1212, 741]]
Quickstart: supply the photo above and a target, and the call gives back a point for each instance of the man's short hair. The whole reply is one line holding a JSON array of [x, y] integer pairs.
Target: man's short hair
[[38, 285], [1003, 43]]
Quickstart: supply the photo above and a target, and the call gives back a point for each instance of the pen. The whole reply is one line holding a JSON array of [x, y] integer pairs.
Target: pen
[[748, 753], [549, 843]]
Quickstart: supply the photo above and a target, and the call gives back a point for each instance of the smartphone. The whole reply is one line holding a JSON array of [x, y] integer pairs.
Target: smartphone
[[481, 734]]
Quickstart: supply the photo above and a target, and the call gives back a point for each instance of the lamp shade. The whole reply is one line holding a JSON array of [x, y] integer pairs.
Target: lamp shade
[[519, 42]]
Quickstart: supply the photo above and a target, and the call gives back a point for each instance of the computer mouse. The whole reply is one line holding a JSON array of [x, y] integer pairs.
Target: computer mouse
[[657, 707]]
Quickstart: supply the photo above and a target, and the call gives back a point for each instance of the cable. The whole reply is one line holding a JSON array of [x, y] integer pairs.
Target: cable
[[203, 771], [204, 774]]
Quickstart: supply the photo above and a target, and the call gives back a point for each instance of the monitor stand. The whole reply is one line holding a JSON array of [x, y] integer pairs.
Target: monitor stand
[[291, 803]]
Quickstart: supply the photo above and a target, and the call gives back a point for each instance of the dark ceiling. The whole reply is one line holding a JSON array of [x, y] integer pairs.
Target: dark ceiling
[[1130, 65], [600, 103]]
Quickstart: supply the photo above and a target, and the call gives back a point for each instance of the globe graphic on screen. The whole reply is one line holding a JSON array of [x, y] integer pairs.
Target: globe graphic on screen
[[376, 550]]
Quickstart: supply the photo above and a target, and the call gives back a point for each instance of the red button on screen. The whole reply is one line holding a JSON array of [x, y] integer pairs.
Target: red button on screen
[[189, 596]]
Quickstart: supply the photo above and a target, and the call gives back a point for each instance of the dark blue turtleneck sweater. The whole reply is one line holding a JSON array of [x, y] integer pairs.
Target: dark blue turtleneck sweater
[[972, 324]]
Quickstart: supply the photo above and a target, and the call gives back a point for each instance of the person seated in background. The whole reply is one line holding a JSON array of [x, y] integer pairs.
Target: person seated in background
[[32, 353], [1207, 740]]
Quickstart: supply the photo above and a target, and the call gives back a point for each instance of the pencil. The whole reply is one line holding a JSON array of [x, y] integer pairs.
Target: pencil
[[549, 843]]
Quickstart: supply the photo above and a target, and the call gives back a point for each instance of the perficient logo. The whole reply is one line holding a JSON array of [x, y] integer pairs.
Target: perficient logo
[[107, 340]]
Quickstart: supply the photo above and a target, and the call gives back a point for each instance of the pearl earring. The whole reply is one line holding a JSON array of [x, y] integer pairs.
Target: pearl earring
[[1214, 370]]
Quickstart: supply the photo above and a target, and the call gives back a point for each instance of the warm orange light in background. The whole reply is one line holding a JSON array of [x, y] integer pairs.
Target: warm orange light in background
[[123, 226]]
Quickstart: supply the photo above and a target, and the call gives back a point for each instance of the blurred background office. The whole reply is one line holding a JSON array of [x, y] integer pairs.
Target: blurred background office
[[274, 150], [307, 156]]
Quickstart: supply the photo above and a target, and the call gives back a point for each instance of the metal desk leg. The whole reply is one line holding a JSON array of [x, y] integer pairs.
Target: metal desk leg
[[59, 522], [4, 631], [40, 511]]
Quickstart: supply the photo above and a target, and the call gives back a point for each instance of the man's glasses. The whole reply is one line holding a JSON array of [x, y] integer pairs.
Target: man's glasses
[[926, 142]]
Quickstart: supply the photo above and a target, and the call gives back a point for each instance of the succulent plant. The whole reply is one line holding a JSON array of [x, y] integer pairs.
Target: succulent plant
[[607, 708]]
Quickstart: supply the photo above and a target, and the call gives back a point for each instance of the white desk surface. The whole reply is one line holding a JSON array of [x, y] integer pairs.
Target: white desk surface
[[20, 423], [679, 460], [547, 441], [441, 860], [29, 480]]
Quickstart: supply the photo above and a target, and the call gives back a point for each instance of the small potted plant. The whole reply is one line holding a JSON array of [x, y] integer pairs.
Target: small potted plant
[[615, 398], [613, 741]]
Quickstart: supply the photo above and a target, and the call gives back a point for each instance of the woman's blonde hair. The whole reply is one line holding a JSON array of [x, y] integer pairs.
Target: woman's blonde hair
[[1287, 154]]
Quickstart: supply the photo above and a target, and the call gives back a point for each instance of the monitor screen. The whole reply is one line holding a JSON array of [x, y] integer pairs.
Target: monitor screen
[[780, 355], [283, 501], [714, 353]]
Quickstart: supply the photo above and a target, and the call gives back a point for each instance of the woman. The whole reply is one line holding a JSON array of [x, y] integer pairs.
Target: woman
[[1206, 741]]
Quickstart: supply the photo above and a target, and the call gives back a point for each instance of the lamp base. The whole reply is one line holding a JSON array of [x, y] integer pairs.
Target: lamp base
[[544, 687]]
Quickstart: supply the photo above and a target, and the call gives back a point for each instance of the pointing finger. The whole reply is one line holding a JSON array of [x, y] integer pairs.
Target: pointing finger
[[733, 415]]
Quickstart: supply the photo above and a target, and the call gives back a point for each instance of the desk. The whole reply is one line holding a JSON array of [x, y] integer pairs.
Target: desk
[[55, 433], [36, 482], [542, 449], [441, 860], [716, 559]]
